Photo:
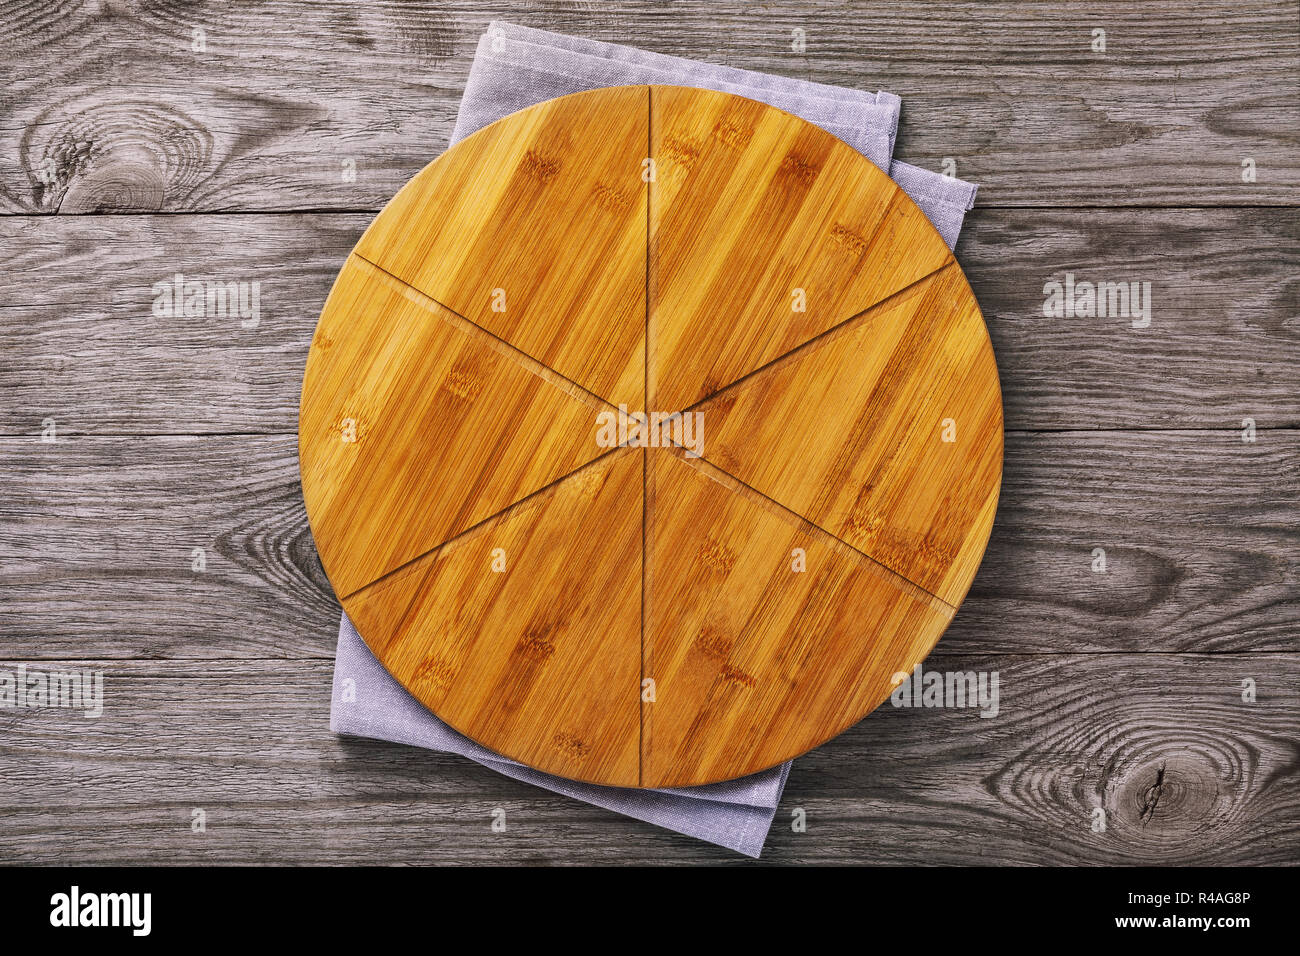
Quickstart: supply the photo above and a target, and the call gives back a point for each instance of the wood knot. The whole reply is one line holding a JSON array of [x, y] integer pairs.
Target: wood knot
[[716, 556], [848, 240], [736, 677], [463, 383], [713, 642], [682, 151], [1151, 798], [433, 672], [610, 198], [571, 745], [536, 166], [591, 481], [1167, 799], [536, 643], [862, 522], [799, 169], [735, 135]]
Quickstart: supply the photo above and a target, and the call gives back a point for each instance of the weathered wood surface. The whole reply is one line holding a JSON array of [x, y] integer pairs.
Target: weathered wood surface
[[176, 433], [1198, 527], [117, 110], [83, 346], [248, 743]]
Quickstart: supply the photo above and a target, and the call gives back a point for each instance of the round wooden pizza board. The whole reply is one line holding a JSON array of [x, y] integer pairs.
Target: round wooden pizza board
[[649, 434]]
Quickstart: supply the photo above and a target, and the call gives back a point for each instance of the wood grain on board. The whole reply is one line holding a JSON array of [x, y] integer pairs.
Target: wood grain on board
[[765, 231], [764, 635], [426, 413], [523, 633], [902, 459], [534, 229], [398, 394]]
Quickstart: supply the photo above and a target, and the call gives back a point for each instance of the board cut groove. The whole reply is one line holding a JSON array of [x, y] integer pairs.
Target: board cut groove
[[508, 202], [556, 681], [675, 433], [419, 383], [766, 503], [922, 360], [523, 358], [749, 655], [731, 171], [541, 494], [830, 334]]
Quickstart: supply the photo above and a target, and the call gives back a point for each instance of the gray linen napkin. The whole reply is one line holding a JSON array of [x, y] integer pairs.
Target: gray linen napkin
[[516, 67], [368, 702]]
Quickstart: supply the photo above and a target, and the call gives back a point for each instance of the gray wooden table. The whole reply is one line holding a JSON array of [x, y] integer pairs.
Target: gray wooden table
[[160, 536]]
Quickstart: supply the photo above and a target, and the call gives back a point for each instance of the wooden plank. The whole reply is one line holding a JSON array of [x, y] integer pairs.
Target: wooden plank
[[1220, 343], [94, 352], [1016, 96], [82, 343], [1165, 508], [1198, 531], [165, 547], [1184, 769], [260, 122]]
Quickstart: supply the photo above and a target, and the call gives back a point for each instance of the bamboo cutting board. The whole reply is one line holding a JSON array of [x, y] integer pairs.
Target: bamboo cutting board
[[554, 573]]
